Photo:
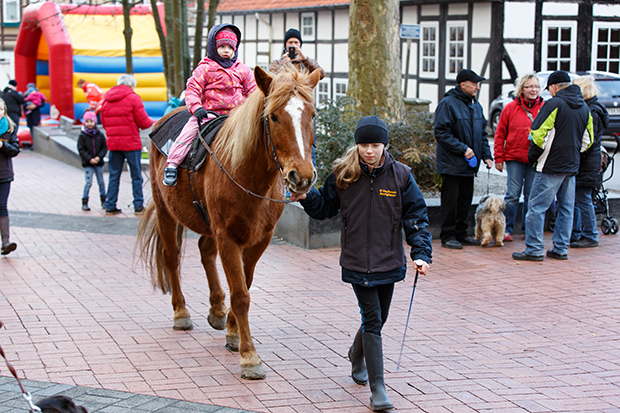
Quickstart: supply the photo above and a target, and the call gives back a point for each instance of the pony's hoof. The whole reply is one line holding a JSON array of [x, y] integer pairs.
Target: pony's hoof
[[232, 343], [253, 372], [218, 323], [184, 323]]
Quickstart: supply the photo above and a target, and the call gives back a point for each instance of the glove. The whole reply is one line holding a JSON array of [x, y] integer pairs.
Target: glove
[[200, 114]]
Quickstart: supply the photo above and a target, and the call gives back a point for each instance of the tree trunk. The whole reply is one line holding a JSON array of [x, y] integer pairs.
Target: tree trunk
[[212, 10], [200, 21], [162, 40], [375, 76], [177, 28], [127, 5]]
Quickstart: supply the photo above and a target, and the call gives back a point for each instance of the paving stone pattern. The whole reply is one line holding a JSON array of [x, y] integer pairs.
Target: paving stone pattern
[[486, 334]]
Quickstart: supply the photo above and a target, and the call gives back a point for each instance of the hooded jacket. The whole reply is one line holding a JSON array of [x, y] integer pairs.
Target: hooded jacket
[[562, 129], [459, 124], [375, 209], [122, 117], [589, 175], [511, 142], [216, 86]]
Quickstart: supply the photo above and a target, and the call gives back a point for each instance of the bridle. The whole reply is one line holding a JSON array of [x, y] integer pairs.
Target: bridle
[[271, 154]]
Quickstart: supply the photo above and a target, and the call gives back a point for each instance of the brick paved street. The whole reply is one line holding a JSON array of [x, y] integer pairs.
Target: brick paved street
[[487, 333]]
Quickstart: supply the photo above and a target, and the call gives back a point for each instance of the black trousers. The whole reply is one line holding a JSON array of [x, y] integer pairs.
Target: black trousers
[[456, 195], [374, 303]]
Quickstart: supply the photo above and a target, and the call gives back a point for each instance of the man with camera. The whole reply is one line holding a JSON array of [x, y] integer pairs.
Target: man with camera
[[294, 55]]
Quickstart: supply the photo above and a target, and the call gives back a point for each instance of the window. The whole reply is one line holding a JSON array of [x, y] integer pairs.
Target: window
[[262, 60], [11, 13], [606, 47], [341, 89], [322, 92], [456, 48], [307, 26], [428, 49], [558, 45]]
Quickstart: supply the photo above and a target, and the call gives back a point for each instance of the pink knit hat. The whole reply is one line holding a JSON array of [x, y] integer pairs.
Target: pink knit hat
[[226, 37], [90, 116]]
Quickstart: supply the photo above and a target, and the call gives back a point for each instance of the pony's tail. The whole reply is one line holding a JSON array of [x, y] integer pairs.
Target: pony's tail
[[150, 248]]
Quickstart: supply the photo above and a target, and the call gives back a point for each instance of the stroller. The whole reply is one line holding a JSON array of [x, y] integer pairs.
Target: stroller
[[609, 225]]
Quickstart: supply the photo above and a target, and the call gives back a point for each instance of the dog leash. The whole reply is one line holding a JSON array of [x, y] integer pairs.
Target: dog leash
[[402, 346], [27, 396]]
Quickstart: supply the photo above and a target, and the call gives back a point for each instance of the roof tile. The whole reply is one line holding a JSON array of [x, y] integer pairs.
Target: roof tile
[[258, 5]]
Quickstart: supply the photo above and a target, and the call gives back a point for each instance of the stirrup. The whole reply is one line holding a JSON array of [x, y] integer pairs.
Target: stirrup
[[170, 176]]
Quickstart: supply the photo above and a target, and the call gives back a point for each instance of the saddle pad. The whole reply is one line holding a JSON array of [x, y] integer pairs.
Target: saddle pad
[[164, 136]]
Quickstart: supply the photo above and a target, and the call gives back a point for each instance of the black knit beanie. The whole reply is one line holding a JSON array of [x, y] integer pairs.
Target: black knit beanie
[[371, 129], [292, 33]]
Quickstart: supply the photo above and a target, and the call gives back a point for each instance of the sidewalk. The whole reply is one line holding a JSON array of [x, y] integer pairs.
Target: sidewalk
[[486, 333]]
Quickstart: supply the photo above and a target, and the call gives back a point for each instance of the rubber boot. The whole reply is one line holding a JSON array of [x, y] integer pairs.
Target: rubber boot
[[85, 206], [7, 245], [359, 374], [102, 197], [373, 352]]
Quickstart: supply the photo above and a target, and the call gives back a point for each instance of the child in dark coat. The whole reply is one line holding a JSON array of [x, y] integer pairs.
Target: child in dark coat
[[92, 149]]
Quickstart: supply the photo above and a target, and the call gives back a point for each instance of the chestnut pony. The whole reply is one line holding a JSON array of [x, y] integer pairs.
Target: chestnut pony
[[240, 224]]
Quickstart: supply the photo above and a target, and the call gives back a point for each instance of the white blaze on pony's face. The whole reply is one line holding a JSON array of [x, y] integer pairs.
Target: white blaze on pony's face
[[295, 108]]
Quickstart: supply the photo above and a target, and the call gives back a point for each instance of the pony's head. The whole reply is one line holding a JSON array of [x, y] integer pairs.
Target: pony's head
[[289, 112]]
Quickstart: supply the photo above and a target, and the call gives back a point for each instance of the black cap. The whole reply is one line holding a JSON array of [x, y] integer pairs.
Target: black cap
[[371, 129], [13, 82], [559, 76], [467, 74], [292, 33]]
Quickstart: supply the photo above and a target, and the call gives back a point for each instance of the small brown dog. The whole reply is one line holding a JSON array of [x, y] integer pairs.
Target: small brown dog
[[490, 220]]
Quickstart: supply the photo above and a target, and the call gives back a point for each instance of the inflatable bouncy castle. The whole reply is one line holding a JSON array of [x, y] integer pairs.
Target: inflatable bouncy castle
[[58, 44]]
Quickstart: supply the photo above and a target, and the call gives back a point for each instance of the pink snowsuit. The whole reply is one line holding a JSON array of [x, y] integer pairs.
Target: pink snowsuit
[[214, 88]]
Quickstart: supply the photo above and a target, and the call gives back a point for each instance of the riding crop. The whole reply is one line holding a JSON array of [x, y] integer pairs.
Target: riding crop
[[415, 282]]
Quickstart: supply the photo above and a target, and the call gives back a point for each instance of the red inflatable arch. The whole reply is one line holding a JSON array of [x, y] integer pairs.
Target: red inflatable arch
[[46, 19]]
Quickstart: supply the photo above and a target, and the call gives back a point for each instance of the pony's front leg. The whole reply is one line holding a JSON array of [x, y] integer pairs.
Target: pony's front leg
[[230, 254], [208, 254]]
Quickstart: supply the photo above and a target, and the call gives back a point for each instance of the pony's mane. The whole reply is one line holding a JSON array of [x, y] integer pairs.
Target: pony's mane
[[243, 130]]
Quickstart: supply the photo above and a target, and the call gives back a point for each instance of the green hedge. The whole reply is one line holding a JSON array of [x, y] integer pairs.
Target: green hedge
[[411, 139]]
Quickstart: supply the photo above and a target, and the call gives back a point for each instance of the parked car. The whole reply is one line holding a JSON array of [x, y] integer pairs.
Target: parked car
[[608, 85]]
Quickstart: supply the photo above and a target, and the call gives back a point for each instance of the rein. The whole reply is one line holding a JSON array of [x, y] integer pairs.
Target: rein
[[27, 396], [268, 142]]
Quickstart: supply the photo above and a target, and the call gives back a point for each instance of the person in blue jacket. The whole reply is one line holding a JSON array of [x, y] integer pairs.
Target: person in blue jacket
[[377, 198], [460, 131]]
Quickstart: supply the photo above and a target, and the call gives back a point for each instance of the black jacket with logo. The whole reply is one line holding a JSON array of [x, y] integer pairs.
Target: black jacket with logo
[[375, 209]]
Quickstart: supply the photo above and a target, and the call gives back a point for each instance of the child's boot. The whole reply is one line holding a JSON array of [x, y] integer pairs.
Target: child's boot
[[359, 374], [102, 197], [170, 176], [85, 204], [7, 245], [373, 352]]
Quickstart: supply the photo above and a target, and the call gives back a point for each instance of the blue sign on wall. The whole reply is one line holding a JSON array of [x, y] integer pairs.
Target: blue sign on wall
[[410, 31]]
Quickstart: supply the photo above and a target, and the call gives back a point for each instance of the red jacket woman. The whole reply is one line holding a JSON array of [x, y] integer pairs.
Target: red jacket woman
[[512, 143]]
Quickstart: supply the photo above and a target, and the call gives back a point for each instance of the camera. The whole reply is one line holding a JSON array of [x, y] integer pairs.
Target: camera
[[291, 52]]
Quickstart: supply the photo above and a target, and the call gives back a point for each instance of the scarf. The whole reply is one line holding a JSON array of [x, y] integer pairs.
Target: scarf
[[4, 125], [89, 132]]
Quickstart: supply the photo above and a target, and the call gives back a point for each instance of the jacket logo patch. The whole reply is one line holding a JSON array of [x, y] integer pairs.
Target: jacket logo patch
[[387, 192]]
